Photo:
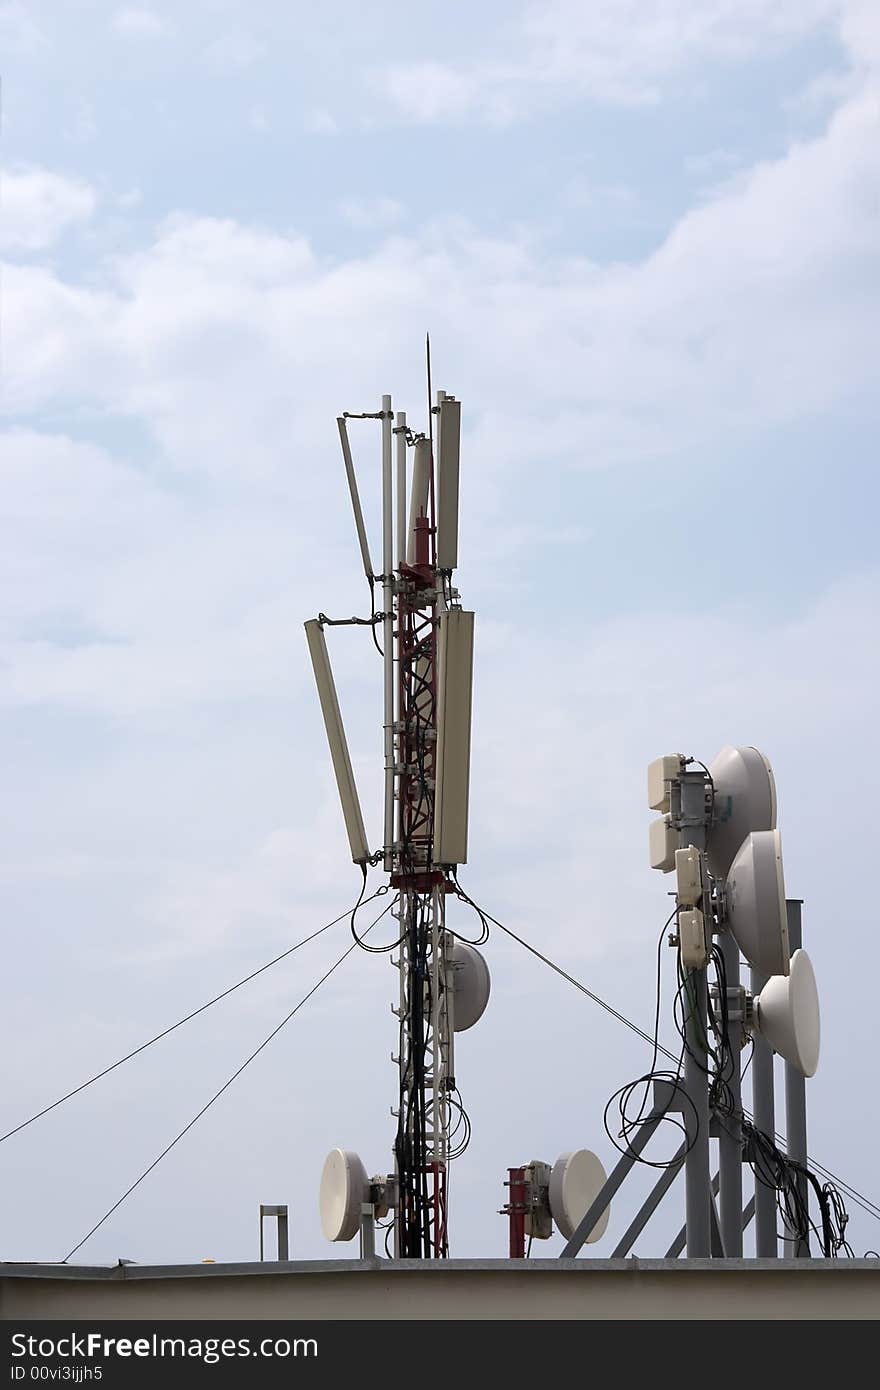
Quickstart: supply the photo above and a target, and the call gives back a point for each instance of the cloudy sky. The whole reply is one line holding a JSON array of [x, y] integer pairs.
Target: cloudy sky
[[644, 237]]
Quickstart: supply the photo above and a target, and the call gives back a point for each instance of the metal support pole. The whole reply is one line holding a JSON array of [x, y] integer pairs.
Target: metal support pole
[[764, 1108], [716, 1243], [516, 1212], [636, 1144], [368, 1232], [677, 1245], [693, 812], [401, 487], [388, 628], [796, 1246], [696, 1164], [729, 1125], [280, 1214], [649, 1206]]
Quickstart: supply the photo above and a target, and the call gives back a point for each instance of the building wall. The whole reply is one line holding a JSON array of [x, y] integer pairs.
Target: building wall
[[456, 1289]]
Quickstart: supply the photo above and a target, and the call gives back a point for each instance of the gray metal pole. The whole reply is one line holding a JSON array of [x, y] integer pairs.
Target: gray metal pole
[[729, 1127], [283, 1244], [696, 1164], [649, 1206], [677, 1245], [624, 1164], [717, 1244], [796, 1247], [763, 1106], [368, 1232], [696, 1063]]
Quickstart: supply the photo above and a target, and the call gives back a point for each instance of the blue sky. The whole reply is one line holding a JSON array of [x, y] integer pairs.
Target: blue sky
[[644, 237]]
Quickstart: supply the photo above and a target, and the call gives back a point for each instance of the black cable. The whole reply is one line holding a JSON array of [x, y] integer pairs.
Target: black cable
[[771, 1166], [484, 934], [871, 1208], [629, 1124], [374, 950], [179, 1024], [217, 1094], [372, 585], [621, 1018]]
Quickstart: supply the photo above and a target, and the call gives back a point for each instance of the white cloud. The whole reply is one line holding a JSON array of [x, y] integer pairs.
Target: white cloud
[[140, 23], [760, 304], [37, 206], [620, 52], [318, 121], [233, 52], [19, 30], [258, 119], [171, 786], [370, 213]]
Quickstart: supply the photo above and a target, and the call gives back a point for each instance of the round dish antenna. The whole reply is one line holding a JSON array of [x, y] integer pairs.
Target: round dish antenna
[[786, 1012], [469, 979], [576, 1180], [756, 903], [744, 800], [344, 1189]]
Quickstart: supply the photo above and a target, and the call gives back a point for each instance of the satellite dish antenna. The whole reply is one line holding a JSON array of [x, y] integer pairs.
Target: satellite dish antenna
[[470, 981], [755, 909], [344, 1189], [786, 1013], [744, 799], [576, 1180]]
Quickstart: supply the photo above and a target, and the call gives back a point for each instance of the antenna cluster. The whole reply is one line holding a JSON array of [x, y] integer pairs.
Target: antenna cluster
[[427, 654], [717, 833]]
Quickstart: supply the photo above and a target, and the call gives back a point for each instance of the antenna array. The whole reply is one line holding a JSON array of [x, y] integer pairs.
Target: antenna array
[[427, 653]]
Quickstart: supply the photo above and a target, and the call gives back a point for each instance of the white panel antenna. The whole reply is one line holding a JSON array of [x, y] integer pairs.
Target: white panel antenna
[[355, 497], [455, 659], [418, 504], [661, 773], [400, 503], [449, 452], [662, 844], [351, 807]]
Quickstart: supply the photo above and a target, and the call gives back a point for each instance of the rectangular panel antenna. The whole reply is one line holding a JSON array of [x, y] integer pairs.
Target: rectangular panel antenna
[[455, 661], [355, 497], [418, 504], [449, 450], [351, 806]]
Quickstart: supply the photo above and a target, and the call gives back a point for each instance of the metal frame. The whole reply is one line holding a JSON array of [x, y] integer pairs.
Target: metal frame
[[280, 1214], [796, 1246], [706, 1233]]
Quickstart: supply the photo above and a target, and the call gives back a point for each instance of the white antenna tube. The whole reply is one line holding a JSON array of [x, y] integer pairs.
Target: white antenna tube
[[448, 455], [355, 498], [351, 806], [418, 504], [388, 627], [438, 451], [401, 487], [455, 662]]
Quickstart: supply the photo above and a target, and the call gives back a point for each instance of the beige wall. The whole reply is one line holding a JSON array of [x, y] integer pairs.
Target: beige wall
[[460, 1289]]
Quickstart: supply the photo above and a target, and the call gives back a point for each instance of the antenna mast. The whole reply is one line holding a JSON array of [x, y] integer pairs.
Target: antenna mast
[[426, 718]]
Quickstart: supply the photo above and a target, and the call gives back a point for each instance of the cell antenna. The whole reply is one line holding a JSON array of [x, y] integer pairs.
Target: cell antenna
[[427, 656]]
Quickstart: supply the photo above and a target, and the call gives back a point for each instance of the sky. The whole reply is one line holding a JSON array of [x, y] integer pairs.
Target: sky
[[645, 238]]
